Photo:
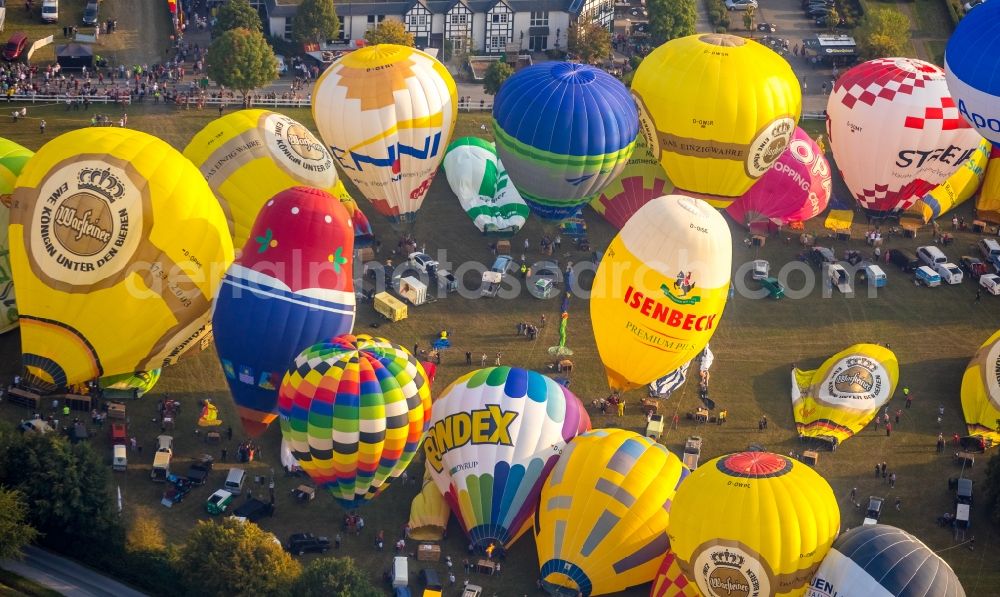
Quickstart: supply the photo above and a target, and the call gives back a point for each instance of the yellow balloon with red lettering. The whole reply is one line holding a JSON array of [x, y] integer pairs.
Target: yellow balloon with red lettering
[[660, 289]]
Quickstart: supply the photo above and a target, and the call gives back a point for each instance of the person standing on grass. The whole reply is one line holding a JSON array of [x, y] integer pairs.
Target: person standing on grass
[[41, 126], [482, 361], [621, 407], [888, 429]]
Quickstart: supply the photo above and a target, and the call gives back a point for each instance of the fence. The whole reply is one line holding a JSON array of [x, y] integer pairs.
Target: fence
[[256, 102], [60, 98]]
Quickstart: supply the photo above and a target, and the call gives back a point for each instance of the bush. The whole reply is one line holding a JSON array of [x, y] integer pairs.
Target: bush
[[955, 11], [554, 54], [718, 15]]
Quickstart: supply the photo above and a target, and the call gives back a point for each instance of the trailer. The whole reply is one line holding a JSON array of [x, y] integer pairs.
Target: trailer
[[389, 307], [413, 290]]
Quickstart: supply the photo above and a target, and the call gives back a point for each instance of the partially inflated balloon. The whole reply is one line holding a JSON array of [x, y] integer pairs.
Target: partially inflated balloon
[[118, 249], [139, 382], [796, 188], [670, 580], [601, 525], [353, 411], [753, 524], [387, 112], [717, 110], [495, 435], [641, 181], [883, 561], [981, 391], [479, 180], [291, 287], [959, 187], [12, 160], [660, 289], [971, 64], [895, 132], [564, 131]]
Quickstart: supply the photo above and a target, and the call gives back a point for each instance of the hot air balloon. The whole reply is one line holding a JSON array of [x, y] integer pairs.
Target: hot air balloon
[[988, 202], [291, 287], [883, 561], [117, 247], [354, 411], [641, 181], [429, 513], [136, 383], [209, 415], [717, 110], [796, 188], [495, 435], [387, 112], [970, 64], [753, 524], [981, 391], [564, 131], [895, 132], [12, 160], [961, 185], [248, 156], [660, 289], [841, 397], [601, 525], [670, 580], [363, 234], [479, 180]]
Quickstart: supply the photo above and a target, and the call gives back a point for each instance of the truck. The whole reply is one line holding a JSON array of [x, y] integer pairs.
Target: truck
[[198, 472], [692, 452], [253, 510], [161, 460]]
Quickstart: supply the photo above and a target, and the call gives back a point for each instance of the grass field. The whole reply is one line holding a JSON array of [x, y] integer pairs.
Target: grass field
[[11, 584], [933, 331]]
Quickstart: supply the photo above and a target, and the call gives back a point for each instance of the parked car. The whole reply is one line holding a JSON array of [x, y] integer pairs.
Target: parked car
[[926, 276], [817, 256], [50, 11], [990, 283], [931, 255], [423, 262], [253, 510], [300, 543], [430, 578], [761, 269], [198, 471], [990, 249], [904, 259], [740, 4], [973, 266], [692, 452], [90, 12], [874, 510], [219, 501], [963, 493], [15, 46], [773, 287], [949, 272]]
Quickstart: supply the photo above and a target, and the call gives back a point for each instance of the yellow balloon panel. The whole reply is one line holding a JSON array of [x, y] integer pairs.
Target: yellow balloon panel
[[981, 391], [117, 252], [988, 202], [660, 289], [753, 524], [249, 156], [957, 188], [718, 110], [602, 518]]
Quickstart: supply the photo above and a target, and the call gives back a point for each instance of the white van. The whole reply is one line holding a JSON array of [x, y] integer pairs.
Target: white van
[[400, 572], [949, 272], [234, 481], [50, 11], [119, 458], [990, 249], [931, 255], [926, 276]]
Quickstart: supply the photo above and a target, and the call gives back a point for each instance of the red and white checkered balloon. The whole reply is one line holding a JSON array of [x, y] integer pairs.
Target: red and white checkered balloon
[[895, 132]]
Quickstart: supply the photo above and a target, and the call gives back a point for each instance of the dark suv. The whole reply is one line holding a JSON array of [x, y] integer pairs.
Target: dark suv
[[904, 260], [300, 543], [90, 12]]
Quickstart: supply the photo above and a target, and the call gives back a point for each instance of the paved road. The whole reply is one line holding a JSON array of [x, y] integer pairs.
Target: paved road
[[66, 577]]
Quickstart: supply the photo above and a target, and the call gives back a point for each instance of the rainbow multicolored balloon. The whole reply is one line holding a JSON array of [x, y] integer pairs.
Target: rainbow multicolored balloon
[[495, 435], [353, 411]]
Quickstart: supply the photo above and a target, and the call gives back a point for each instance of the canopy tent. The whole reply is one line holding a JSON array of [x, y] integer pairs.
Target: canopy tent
[[74, 55]]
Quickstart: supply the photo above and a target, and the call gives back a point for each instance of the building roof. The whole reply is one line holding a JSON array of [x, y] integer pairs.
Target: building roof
[[373, 8], [281, 8], [287, 8], [539, 5]]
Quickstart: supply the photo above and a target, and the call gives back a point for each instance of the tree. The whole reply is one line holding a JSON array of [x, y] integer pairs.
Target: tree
[[883, 32], [334, 576], [241, 59], [496, 74], [389, 32], [235, 558], [670, 19], [748, 16], [315, 22], [15, 532], [832, 18], [590, 42], [236, 14], [145, 533]]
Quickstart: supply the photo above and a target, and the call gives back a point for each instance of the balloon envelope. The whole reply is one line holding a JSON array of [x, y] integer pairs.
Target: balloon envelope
[[139, 382], [971, 65], [12, 160], [495, 435], [717, 110], [959, 187], [981, 391], [387, 112], [564, 131], [353, 411], [291, 287], [660, 289], [602, 518], [116, 239], [670, 580], [479, 180], [641, 181], [895, 132]]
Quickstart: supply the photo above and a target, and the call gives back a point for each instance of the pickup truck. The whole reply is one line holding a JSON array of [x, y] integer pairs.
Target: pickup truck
[[161, 460], [253, 510], [199, 470]]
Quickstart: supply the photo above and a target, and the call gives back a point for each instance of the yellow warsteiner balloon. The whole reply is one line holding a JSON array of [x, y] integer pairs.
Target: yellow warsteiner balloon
[[845, 393], [718, 110], [118, 248], [660, 289], [753, 524], [249, 156], [601, 523], [981, 391], [12, 160]]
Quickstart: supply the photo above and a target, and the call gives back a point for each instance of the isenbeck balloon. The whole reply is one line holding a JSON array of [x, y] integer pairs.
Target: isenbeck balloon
[[495, 435], [660, 289], [564, 131], [754, 524], [479, 180], [981, 391], [291, 287], [971, 65], [12, 160], [118, 248], [641, 181], [601, 524], [883, 561], [895, 132], [248, 156], [717, 110], [354, 411], [387, 112]]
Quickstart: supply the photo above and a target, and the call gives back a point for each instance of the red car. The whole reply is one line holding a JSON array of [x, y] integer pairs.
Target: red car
[[15, 46], [118, 434]]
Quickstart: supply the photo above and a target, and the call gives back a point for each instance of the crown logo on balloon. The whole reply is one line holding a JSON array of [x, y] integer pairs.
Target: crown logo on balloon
[[783, 127], [861, 362], [102, 182], [728, 558]]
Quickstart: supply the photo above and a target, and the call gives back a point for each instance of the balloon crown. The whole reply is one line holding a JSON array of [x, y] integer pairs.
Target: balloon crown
[[102, 182], [783, 127], [728, 559], [861, 362]]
